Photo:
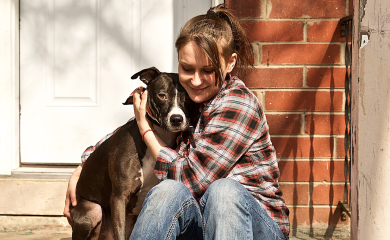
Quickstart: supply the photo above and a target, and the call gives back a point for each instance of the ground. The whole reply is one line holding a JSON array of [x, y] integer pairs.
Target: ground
[[57, 228], [65, 234]]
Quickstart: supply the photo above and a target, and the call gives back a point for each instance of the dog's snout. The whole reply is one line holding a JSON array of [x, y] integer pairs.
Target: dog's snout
[[176, 120]]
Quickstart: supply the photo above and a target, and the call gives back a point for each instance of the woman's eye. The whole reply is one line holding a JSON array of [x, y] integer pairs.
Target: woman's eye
[[208, 71], [162, 96], [186, 69]]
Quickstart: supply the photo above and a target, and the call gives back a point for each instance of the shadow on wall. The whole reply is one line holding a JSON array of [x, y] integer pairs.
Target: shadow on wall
[[314, 163], [293, 150]]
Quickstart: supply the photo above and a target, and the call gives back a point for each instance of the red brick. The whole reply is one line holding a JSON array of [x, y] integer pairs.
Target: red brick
[[311, 171], [325, 124], [308, 8], [304, 101], [340, 148], [284, 124], [295, 194], [351, 6], [301, 54], [312, 215], [274, 78], [324, 31], [274, 31], [303, 147], [242, 9], [325, 194], [326, 77]]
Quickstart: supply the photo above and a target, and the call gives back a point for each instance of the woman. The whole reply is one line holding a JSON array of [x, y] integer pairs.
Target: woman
[[222, 180]]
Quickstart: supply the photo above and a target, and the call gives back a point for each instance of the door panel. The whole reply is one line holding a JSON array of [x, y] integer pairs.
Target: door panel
[[76, 59], [72, 53]]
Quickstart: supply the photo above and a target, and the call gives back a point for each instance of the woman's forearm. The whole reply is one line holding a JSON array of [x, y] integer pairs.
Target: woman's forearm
[[154, 143]]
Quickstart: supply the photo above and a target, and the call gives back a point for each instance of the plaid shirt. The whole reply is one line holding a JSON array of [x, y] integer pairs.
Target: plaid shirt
[[230, 140]]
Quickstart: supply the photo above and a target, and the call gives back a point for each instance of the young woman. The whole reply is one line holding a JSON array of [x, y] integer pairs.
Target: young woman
[[222, 180]]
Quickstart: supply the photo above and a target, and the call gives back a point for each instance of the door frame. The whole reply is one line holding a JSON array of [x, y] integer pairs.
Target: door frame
[[9, 91], [9, 86]]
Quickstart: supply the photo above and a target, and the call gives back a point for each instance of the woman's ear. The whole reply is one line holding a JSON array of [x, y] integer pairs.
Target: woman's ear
[[232, 62]]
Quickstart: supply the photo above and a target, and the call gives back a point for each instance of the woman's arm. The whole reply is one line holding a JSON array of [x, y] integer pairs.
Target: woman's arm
[[154, 143], [70, 197], [229, 127]]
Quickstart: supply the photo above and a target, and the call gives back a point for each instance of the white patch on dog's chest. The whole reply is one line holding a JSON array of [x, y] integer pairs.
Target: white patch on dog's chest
[[148, 179]]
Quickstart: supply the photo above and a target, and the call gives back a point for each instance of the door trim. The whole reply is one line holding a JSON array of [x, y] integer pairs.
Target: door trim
[[9, 86]]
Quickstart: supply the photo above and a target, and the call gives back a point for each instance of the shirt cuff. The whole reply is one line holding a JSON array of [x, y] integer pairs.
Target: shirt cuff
[[164, 161]]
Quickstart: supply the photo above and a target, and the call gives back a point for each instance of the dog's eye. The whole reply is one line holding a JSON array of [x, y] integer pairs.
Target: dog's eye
[[162, 96]]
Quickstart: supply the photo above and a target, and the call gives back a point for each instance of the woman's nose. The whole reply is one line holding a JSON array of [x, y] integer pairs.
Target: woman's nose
[[197, 79]]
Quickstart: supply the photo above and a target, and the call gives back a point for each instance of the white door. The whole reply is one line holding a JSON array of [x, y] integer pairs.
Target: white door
[[76, 59]]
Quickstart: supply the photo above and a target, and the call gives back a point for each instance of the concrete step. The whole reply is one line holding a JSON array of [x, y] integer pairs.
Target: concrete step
[[31, 208], [50, 228], [32, 196]]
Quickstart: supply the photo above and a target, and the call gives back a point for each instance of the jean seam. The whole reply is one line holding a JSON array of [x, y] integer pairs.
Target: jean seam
[[179, 213], [247, 205], [266, 222], [202, 203]]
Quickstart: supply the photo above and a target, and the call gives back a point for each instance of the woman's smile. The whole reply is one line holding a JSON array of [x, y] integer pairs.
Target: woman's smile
[[196, 73], [198, 90]]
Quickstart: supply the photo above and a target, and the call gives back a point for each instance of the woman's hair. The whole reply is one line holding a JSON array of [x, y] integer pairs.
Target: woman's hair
[[217, 32]]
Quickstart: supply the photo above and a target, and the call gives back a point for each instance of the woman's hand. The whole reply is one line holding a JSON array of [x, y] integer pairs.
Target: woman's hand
[[139, 102], [70, 197]]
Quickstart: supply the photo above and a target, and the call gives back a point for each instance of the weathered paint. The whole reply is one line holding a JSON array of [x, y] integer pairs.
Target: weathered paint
[[373, 140]]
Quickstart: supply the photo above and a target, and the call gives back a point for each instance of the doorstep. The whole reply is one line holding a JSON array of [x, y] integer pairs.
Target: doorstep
[[34, 192]]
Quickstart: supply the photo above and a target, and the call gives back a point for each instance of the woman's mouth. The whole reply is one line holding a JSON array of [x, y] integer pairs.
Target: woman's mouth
[[198, 90]]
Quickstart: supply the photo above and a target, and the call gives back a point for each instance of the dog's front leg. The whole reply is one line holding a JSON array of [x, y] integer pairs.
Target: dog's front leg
[[118, 215]]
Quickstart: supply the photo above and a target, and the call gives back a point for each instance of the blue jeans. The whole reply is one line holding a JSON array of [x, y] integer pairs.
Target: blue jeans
[[226, 211]]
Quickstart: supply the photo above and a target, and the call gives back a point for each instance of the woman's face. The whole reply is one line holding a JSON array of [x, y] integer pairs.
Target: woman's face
[[196, 72]]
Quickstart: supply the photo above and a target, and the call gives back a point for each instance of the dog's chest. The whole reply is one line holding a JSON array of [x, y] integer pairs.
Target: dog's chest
[[148, 180]]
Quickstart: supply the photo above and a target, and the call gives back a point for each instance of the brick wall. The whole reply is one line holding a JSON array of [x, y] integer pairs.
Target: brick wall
[[299, 78]]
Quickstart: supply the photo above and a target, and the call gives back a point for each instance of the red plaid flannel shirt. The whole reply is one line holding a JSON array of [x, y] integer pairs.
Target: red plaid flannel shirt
[[230, 140]]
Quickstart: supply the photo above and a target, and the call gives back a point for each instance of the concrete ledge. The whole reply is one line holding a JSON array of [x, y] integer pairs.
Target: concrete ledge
[[37, 204], [54, 228], [320, 231], [43, 172], [40, 197], [23, 223]]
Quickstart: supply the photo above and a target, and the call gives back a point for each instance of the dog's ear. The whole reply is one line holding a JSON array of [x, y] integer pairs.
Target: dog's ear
[[147, 75], [129, 100]]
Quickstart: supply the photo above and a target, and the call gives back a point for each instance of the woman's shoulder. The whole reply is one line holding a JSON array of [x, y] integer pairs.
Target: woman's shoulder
[[234, 96], [236, 90]]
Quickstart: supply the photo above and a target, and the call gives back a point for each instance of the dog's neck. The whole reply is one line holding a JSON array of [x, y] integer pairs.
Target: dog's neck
[[168, 137]]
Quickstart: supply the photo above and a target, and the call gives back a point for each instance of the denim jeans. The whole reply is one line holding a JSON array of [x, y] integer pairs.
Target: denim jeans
[[226, 211]]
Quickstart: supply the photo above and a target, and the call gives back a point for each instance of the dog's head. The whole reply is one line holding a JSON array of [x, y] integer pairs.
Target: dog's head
[[168, 102]]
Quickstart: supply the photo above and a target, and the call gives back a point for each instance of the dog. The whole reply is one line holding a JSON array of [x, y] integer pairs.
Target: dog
[[120, 172]]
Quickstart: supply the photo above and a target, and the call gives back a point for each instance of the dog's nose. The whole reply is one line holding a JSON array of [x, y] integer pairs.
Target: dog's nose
[[176, 120]]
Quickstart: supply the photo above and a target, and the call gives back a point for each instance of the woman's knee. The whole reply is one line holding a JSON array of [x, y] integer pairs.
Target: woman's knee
[[169, 186], [168, 191], [225, 188], [224, 194]]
